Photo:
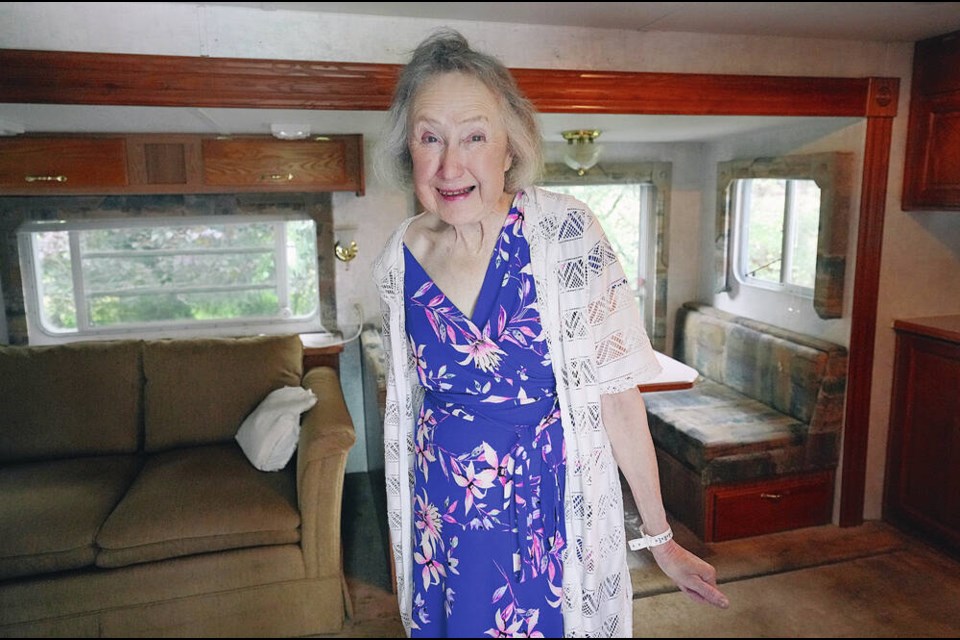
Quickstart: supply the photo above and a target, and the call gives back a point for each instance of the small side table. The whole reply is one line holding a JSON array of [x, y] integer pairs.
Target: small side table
[[321, 350]]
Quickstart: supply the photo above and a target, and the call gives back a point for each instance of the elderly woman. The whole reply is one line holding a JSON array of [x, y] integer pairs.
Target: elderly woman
[[515, 350]]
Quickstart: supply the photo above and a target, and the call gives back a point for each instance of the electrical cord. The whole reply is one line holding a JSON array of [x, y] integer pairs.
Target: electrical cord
[[358, 311]]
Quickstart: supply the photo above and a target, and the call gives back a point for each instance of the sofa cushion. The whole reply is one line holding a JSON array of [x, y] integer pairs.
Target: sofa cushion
[[74, 399], [198, 500], [712, 421], [769, 401], [199, 391], [794, 373], [51, 511]]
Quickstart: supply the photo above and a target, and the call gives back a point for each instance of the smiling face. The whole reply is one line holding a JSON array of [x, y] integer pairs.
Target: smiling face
[[458, 144]]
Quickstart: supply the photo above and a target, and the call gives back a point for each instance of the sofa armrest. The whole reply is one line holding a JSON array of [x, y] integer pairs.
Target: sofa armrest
[[326, 435]]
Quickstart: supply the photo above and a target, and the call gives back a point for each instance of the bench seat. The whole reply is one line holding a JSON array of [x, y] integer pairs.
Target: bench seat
[[761, 425]]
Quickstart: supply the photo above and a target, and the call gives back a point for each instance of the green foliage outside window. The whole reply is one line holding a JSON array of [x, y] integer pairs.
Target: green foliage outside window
[[780, 222], [172, 273]]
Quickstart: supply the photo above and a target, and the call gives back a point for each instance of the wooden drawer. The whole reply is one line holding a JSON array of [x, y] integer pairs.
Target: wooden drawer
[[51, 165], [791, 502]]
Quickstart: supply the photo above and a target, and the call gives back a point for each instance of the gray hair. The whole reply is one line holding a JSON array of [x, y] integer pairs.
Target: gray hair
[[447, 51]]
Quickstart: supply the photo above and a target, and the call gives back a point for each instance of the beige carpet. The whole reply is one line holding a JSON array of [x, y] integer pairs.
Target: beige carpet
[[761, 555], [866, 581], [909, 593]]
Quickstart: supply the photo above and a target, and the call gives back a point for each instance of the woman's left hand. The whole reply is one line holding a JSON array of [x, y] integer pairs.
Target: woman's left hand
[[695, 577]]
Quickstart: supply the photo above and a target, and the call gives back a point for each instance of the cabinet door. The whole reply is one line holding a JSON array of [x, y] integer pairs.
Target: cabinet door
[[62, 165], [931, 175], [328, 163], [922, 489], [932, 171]]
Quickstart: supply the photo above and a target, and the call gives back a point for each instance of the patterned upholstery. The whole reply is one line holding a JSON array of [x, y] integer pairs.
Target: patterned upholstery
[[769, 401]]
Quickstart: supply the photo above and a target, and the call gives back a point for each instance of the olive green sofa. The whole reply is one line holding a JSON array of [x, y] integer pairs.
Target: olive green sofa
[[127, 508]]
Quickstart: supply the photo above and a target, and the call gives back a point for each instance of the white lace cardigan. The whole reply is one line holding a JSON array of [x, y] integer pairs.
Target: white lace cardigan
[[597, 345]]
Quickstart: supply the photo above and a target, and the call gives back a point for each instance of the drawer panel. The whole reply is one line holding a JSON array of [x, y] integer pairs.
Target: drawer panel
[[766, 507]]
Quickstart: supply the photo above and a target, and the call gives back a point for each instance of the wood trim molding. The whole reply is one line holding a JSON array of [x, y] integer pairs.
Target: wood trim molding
[[59, 77], [863, 326]]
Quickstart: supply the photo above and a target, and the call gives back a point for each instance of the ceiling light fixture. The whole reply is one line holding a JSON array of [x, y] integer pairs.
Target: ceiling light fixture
[[581, 154], [290, 131]]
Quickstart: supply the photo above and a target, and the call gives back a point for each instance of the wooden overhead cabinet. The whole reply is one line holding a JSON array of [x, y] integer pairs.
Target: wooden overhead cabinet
[[324, 163], [68, 165], [178, 163], [931, 178]]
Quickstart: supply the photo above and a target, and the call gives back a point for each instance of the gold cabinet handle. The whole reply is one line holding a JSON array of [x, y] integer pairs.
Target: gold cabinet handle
[[45, 178], [277, 177], [771, 496]]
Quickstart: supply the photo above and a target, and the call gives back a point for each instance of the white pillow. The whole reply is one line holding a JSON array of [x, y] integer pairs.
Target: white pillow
[[269, 435]]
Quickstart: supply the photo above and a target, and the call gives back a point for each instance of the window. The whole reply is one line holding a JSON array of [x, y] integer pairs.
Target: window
[[777, 221], [783, 223], [174, 276]]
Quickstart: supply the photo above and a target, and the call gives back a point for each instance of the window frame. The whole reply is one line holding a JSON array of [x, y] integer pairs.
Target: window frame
[[833, 173], [39, 333]]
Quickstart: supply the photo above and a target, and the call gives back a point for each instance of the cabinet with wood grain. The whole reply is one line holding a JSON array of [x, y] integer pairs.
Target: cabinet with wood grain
[[922, 486], [931, 178], [62, 165], [178, 163], [324, 163]]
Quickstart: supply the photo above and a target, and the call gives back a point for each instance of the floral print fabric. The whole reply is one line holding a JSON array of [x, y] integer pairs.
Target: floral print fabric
[[488, 491]]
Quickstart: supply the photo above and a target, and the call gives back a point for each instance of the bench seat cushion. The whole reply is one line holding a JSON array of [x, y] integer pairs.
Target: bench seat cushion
[[51, 511], [200, 500], [726, 436]]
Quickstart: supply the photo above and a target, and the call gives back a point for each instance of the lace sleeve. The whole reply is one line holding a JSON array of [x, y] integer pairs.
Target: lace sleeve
[[622, 352]]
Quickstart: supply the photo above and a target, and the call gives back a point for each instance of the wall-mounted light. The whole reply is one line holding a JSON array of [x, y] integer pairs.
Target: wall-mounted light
[[346, 253], [582, 153], [345, 247]]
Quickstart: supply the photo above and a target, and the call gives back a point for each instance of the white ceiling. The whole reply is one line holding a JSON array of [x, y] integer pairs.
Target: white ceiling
[[880, 21], [871, 21]]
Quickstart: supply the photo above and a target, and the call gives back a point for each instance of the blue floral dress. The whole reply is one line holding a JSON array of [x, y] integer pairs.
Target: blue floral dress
[[490, 461]]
